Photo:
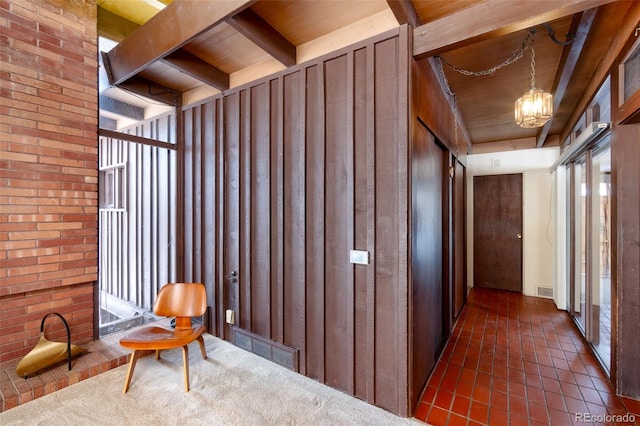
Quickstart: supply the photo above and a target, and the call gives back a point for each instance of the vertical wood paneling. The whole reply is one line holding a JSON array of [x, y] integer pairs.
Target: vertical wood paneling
[[260, 206], [245, 231], [390, 281], [337, 267], [232, 202], [208, 167], [189, 117], [315, 224], [294, 212], [360, 223], [316, 164], [277, 207]]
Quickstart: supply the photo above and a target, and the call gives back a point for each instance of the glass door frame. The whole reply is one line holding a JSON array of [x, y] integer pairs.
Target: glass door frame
[[575, 235]]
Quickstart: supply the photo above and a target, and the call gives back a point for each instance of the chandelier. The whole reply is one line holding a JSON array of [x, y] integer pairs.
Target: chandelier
[[534, 108]]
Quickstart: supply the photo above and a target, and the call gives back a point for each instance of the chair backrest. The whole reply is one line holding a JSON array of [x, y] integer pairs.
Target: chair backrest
[[181, 300]]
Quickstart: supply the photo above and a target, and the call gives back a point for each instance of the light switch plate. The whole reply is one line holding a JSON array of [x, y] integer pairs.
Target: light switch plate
[[360, 257], [231, 317]]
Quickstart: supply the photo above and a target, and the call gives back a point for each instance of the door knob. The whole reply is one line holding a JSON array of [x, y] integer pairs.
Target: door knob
[[233, 276], [519, 235]]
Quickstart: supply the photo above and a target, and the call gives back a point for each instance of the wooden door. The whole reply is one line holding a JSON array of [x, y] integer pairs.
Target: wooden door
[[459, 240], [497, 231], [428, 302]]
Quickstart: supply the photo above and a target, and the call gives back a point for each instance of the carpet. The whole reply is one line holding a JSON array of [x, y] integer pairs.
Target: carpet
[[230, 387]]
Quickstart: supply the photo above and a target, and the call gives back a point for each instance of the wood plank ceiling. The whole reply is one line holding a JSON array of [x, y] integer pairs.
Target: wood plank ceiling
[[181, 47]]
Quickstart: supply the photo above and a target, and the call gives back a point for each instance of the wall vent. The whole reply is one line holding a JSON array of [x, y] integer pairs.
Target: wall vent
[[283, 355], [545, 292]]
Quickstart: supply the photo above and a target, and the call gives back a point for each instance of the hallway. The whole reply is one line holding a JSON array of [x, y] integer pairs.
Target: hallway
[[517, 360]]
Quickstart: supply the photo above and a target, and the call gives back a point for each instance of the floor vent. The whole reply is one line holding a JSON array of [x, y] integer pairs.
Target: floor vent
[[283, 355], [545, 292]]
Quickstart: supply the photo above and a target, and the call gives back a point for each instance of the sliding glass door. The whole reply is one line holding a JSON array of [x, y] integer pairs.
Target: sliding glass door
[[590, 248]]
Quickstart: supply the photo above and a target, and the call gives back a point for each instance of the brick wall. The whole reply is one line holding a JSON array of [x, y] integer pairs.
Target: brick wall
[[48, 170]]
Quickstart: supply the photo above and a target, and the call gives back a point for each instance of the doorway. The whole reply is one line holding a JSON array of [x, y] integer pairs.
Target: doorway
[[590, 252], [429, 304], [497, 231]]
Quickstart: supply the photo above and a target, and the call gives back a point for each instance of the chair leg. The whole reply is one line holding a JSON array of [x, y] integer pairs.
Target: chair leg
[[203, 351], [185, 360], [157, 354], [135, 355]]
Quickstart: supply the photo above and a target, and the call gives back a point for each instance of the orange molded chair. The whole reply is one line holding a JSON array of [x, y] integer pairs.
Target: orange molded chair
[[180, 300]]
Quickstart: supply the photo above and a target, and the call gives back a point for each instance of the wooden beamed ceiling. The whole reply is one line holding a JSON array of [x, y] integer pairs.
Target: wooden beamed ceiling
[[185, 34]]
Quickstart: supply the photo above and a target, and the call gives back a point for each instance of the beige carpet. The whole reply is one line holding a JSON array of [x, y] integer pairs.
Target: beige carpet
[[231, 387]]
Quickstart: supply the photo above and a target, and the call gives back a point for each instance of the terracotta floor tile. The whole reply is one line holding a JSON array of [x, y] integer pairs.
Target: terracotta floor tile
[[611, 401], [583, 380], [464, 389], [479, 412], [483, 379], [602, 385], [481, 394], [499, 400], [518, 406], [468, 375], [438, 417], [533, 380], [560, 363], [518, 420], [421, 411], [632, 405], [559, 418], [448, 383], [428, 394], [571, 390], [591, 395], [538, 413], [517, 390], [551, 385], [535, 395], [461, 405], [500, 385], [456, 420], [443, 399], [575, 405], [547, 371], [516, 375], [498, 417], [516, 360]]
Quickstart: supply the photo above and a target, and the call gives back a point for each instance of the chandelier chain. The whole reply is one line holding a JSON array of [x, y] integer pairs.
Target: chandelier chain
[[516, 55], [455, 102], [533, 68]]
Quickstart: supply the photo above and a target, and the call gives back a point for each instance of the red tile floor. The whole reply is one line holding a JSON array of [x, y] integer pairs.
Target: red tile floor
[[517, 360]]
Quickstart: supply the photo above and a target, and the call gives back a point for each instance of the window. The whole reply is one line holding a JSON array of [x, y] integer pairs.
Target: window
[[113, 184]]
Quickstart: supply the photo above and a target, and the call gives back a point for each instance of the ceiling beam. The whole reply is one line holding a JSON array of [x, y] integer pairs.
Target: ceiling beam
[[143, 87], [121, 108], [491, 18], [580, 27], [626, 29], [114, 27], [260, 32], [152, 90], [198, 69], [160, 36], [405, 12]]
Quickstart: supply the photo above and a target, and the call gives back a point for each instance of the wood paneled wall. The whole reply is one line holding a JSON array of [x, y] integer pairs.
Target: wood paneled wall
[[137, 243], [284, 177], [438, 287]]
